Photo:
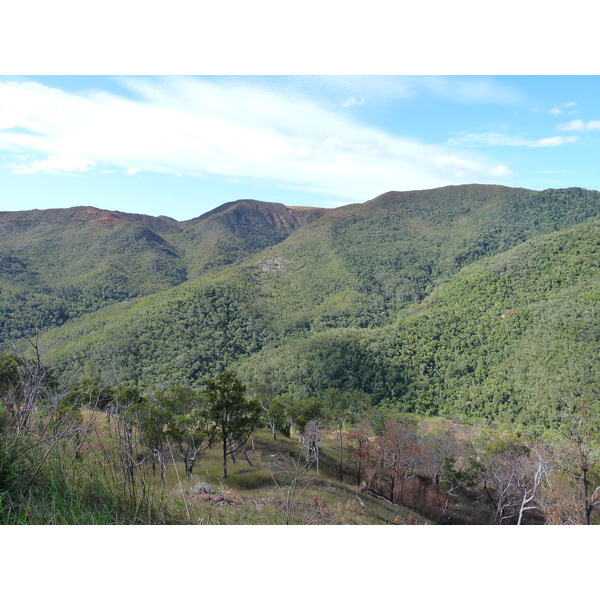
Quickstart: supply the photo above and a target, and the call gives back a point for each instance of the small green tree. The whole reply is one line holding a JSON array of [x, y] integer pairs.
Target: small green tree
[[189, 425], [263, 388], [232, 413], [276, 415], [155, 413], [303, 411]]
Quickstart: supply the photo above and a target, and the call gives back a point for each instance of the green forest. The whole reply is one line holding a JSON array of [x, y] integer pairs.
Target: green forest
[[428, 356]]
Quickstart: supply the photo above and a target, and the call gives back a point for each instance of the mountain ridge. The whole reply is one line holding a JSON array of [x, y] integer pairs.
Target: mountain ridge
[[321, 303]]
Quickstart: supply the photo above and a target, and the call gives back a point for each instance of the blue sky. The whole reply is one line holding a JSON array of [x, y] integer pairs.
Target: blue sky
[[181, 145]]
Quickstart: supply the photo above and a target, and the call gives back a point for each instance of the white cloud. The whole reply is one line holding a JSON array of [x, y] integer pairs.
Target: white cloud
[[579, 125], [132, 170], [558, 140], [559, 110], [201, 128], [54, 164], [353, 102], [468, 89], [491, 138], [462, 167]]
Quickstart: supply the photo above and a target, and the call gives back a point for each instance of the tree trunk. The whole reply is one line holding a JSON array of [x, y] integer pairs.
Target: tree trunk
[[341, 454], [224, 458], [233, 457], [129, 463], [189, 460], [318, 462], [163, 465], [246, 455], [189, 466], [586, 500], [524, 502]]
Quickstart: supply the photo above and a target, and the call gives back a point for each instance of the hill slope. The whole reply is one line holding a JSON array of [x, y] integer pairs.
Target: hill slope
[[515, 338], [378, 296], [59, 264], [473, 301]]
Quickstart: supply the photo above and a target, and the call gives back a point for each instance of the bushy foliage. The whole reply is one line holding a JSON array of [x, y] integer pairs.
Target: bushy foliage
[[476, 302]]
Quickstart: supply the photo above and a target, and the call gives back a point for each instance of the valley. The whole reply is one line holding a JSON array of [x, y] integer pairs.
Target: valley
[[462, 321]]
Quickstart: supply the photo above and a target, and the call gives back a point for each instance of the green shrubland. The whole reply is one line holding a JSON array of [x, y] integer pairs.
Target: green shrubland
[[466, 307]]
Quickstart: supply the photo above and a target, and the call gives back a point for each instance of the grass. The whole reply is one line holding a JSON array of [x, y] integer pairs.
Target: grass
[[92, 489], [257, 500]]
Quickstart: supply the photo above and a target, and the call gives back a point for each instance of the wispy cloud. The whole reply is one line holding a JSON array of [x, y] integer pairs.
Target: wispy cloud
[[54, 164], [491, 138], [470, 89], [579, 125], [353, 102], [465, 90], [557, 140], [559, 110], [200, 128]]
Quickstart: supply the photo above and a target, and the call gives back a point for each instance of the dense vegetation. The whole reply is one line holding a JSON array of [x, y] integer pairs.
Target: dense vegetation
[[92, 454], [57, 265], [477, 304]]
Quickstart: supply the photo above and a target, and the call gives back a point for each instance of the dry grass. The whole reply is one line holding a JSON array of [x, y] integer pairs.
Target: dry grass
[[94, 490]]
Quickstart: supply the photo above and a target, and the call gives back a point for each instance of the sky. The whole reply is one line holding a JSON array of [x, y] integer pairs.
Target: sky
[[181, 145]]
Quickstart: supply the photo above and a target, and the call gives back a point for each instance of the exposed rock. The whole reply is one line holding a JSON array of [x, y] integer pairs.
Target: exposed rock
[[274, 264], [204, 491], [201, 488]]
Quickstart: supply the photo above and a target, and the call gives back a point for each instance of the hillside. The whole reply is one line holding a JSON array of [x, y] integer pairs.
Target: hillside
[[433, 301], [423, 357], [59, 264], [513, 338]]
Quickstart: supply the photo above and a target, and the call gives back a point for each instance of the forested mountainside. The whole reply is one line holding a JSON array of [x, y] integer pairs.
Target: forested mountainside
[[473, 301], [59, 264], [426, 356], [513, 338]]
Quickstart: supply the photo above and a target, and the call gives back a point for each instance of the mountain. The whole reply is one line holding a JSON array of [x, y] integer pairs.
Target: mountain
[[432, 300], [59, 264], [238, 229], [513, 338]]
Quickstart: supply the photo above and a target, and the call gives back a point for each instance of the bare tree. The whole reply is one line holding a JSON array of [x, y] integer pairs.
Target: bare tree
[[290, 475], [571, 492], [312, 443], [34, 379], [125, 415], [581, 428], [38, 414], [362, 436], [512, 476], [531, 484]]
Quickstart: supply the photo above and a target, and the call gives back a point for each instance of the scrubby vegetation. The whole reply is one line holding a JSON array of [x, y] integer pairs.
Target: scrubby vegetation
[[436, 350], [221, 453]]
